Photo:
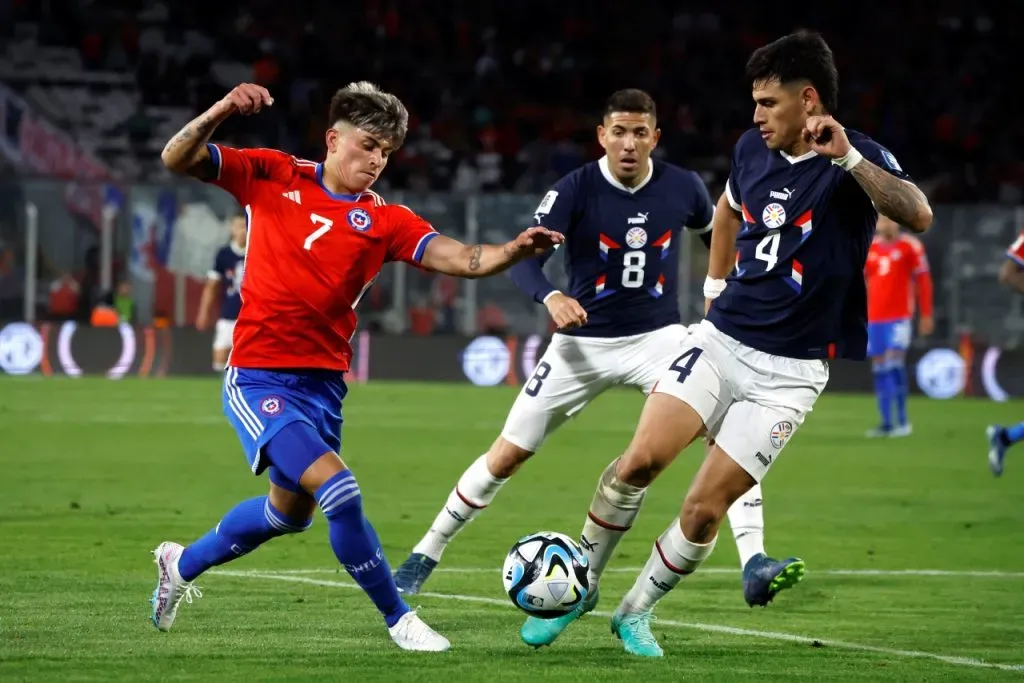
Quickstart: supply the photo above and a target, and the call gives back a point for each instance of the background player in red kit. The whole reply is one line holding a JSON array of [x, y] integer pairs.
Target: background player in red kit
[[1000, 438], [318, 238], [896, 269]]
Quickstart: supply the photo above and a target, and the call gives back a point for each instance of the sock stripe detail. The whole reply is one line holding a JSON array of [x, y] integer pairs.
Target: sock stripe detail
[[467, 501], [664, 560], [338, 502], [330, 498], [282, 523], [605, 525]]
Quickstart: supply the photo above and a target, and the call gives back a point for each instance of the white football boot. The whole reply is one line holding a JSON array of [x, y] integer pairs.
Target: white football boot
[[411, 633], [170, 587]]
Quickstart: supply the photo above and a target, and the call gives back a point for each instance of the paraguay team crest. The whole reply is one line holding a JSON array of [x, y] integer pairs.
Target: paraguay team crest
[[636, 237], [780, 433], [359, 219], [774, 215], [271, 406]]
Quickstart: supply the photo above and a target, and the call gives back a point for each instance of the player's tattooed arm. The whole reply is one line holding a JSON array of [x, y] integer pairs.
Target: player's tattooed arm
[[898, 199], [449, 256], [186, 152]]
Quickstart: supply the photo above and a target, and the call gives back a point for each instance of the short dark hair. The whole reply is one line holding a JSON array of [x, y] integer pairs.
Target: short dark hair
[[801, 56], [631, 100], [366, 106]]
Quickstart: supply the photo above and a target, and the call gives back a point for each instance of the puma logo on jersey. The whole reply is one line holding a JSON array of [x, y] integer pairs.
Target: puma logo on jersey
[[784, 195], [293, 195], [639, 219]]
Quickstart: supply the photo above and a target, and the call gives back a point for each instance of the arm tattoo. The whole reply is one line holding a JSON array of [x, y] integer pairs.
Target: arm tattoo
[[474, 257], [895, 198]]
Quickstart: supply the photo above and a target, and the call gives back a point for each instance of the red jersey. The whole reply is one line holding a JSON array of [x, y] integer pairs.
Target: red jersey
[[310, 258], [1016, 251], [891, 269]]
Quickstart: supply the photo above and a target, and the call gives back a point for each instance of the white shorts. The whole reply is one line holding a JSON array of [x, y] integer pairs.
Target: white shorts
[[575, 370], [223, 335], [751, 402]]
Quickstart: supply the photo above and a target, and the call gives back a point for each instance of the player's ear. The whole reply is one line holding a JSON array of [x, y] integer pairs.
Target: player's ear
[[332, 138], [656, 136], [810, 99], [600, 136]]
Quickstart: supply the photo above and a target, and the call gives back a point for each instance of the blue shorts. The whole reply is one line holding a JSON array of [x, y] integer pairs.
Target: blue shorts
[[888, 336], [260, 403]]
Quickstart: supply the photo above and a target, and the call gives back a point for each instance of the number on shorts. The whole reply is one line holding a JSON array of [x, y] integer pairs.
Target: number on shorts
[[684, 364], [537, 381]]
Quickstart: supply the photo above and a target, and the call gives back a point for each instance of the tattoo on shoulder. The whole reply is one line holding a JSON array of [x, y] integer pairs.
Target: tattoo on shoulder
[[474, 257]]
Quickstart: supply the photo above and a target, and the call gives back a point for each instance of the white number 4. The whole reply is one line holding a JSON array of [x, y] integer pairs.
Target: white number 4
[[768, 249], [325, 226]]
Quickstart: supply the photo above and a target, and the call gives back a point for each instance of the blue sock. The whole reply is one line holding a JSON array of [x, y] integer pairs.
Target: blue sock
[[356, 545], [883, 392], [246, 526], [1014, 433], [898, 377]]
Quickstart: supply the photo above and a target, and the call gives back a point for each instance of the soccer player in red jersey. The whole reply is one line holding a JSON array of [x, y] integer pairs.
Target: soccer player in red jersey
[[896, 269], [318, 237], [1000, 438]]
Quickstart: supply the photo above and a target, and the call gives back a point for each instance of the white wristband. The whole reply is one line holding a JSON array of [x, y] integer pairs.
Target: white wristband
[[713, 288], [549, 295], [849, 160]]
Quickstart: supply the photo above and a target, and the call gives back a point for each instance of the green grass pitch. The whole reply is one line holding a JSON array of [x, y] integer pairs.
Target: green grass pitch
[[96, 473]]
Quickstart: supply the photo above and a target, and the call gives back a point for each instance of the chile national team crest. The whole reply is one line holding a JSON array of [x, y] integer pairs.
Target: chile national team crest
[[271, 406], [359, 219], [774, 215]]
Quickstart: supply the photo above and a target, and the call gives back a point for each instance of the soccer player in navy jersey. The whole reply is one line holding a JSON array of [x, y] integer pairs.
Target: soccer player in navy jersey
[[226, 278], [618, 325], [785, 292], [318, 237]]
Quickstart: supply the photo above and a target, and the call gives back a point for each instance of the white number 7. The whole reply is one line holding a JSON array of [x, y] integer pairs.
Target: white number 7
[[325, 226]]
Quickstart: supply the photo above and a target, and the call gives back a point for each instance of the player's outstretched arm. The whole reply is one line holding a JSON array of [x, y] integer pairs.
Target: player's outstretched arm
[[895, 198], [722, 259], [449, 256], [186, 152]]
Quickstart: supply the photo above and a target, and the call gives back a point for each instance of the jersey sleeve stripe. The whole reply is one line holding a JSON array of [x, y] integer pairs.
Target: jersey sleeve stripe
[[1016, 259], [421, 246], [728, 195], [214, 151]]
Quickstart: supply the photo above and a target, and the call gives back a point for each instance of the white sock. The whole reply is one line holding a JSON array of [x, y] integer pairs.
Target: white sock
[[672, 558], [612, 512], [475, 491], [746, 518]]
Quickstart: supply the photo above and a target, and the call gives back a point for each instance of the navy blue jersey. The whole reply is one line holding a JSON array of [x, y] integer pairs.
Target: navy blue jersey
[[622, 245], [228, 267], [798, 288]]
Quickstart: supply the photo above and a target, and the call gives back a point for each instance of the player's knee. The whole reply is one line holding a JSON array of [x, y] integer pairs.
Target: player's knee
[[639, 465], [505, 458]]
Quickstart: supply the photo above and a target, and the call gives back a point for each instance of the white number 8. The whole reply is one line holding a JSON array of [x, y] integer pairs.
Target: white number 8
[[633, 269]]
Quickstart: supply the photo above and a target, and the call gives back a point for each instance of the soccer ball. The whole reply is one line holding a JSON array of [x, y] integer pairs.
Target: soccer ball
[[545, 574]]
